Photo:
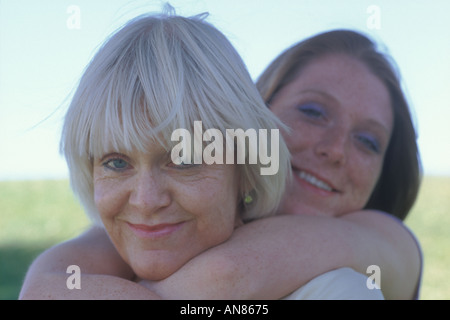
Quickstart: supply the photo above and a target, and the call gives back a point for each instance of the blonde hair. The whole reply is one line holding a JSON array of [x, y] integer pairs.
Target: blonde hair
[[156, 74]]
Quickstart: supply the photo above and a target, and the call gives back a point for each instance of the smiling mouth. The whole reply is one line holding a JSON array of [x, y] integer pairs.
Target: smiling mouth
[[315, 181], [155, 231]]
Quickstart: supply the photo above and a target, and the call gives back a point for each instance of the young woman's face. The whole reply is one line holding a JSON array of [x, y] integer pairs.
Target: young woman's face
[[341, 121], [158, 214]]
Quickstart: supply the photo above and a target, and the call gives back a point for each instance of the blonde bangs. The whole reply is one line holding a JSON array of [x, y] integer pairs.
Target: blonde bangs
[[156, 75], [151, 90]]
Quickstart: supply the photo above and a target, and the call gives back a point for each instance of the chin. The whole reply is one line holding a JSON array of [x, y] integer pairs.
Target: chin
[[152, 273], [147, 269]]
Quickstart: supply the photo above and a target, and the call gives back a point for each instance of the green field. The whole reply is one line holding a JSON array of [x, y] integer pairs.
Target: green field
[[37, 214]]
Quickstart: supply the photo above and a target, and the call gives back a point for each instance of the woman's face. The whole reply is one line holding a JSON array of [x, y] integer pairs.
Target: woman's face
[[158, 214], [341, 120]]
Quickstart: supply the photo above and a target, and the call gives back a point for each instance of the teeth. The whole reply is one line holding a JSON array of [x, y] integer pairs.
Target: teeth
[[314, 181]]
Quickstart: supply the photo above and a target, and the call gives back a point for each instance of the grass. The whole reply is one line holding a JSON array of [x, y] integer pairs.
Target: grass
[[34, 216], [38, 214], [430, 221]]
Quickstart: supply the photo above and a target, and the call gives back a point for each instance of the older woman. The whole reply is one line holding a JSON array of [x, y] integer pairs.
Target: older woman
[[255, 261], [156, 76]]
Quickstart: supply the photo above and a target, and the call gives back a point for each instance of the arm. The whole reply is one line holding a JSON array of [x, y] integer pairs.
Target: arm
[[272, 257], [393, 248], [258, 261], [104, 275]]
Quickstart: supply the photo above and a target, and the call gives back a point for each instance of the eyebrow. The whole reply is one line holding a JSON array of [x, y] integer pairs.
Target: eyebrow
[[328, 96], [378, 124], [320, 93]]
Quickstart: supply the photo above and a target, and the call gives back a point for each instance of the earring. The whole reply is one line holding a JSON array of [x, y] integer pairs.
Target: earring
[[248, 199]]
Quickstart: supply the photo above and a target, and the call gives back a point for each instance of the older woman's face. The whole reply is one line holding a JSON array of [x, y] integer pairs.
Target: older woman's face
[[341, 121], [158, 214]]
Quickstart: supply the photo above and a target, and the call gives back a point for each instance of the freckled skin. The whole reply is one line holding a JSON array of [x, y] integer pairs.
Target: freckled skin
[[150, 190], [338, 111]]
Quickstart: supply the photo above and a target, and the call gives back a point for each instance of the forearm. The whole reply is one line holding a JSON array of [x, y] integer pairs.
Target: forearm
[[265, 259], [270, 258], [52, 286]]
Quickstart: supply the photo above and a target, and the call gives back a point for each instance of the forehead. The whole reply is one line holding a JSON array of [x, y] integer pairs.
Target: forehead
[[349, 84]]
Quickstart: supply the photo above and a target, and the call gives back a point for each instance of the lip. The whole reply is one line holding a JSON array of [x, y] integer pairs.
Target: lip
[[154, 231], [298, 173]]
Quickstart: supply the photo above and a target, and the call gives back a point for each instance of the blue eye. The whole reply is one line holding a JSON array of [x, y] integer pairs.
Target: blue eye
[[312, 110], [116, 164], [184, 165], [369, 142]]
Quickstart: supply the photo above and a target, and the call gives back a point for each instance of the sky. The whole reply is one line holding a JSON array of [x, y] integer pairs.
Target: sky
[[46, 44]]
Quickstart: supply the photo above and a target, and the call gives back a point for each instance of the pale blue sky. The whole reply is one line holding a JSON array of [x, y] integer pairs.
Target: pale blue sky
[[43, 53]]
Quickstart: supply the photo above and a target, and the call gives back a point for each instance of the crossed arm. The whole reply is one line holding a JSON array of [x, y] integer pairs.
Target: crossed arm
[[265, 259]]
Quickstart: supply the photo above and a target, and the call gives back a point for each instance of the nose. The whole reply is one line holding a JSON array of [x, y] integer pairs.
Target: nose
[[150, 192], [332, 147]]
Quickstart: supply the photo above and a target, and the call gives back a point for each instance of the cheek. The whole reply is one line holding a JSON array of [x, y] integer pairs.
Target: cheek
[[221, 203], [214, 219], [219, 207], [109, 198], [220, 223], [366, 179], [300, 137]]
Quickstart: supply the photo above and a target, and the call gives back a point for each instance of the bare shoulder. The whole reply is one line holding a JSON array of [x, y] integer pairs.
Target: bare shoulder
[[91, 252]]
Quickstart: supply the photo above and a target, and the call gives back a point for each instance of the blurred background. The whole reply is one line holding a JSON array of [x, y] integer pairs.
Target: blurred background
[[46, 44]]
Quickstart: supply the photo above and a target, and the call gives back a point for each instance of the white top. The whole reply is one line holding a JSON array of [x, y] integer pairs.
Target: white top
[[339, 284]]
